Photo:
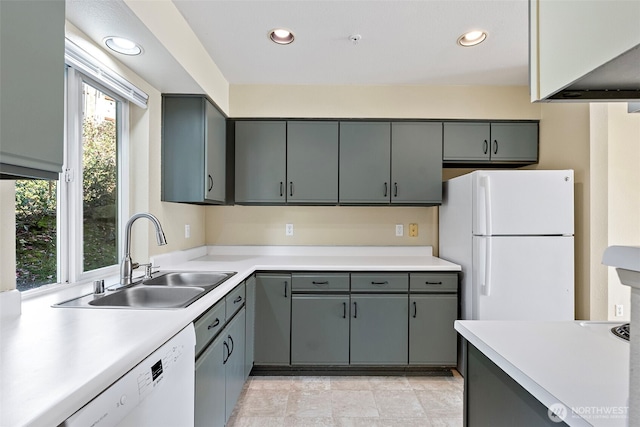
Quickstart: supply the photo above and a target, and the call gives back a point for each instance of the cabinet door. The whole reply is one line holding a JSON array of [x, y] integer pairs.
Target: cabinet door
[[432, 339], [273, 319], [183, 150], [210, 385], [32, 97], [234, 367], [365, 162], [312, 162], [466, 142], [250, 325], [416, 163], [514, 142], [320, 330], [216, 149], [379, 330], [261, 152]]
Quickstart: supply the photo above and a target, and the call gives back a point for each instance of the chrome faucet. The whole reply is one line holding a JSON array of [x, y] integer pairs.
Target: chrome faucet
[[127, 266]]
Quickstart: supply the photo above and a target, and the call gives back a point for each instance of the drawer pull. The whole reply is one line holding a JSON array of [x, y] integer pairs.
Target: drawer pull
[[326, 282], [214, 324], [433, 283], [380, 283], [237, 300]]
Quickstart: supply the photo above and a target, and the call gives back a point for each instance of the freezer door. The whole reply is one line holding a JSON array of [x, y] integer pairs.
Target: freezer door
[[523, 202], [523, 278]]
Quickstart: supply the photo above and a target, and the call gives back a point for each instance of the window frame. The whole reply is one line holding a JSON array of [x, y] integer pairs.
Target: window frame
[[70, 216]]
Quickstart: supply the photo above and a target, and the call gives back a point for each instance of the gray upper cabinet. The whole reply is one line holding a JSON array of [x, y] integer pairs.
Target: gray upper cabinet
[[261, 153], [365, 162], [501, 142], [193, 151], [312, 162], [514, 142], [32, 88], [416, 163]]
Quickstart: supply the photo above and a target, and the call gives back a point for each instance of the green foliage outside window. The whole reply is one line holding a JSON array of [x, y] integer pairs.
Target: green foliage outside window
[[36, 230]]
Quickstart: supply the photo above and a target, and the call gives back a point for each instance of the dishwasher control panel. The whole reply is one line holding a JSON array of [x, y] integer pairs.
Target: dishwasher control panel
[[114, 404]]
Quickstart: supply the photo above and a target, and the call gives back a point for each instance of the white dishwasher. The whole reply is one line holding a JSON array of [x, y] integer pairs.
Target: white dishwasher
[[158, 392]]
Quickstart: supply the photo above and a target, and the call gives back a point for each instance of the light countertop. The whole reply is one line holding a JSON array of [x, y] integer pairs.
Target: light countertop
[[55, 360], [578, 364]]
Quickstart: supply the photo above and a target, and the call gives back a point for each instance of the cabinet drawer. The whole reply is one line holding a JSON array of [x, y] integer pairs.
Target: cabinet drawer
[[320, 282], [434, 282], [208, 325], [376, 282], [234, 300]]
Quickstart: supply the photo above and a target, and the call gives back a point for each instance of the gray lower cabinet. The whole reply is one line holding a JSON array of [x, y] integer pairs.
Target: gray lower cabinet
[[219, 375], [193, 150], [32, 47], [379, 333], [493, 398], [432, 339], [273, 319], [320, 330], [500, 142], [416, 163], [235, 361], [250, 310], [260, 162], [365, 162], [312, 162]]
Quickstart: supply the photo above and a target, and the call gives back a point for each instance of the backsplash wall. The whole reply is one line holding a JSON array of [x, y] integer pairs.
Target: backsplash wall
[[319, 225]]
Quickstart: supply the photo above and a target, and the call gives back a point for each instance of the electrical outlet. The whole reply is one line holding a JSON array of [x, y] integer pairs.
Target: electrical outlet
[[288, 229], [399, 230], [619, 310], [413, 230], [187, 231]]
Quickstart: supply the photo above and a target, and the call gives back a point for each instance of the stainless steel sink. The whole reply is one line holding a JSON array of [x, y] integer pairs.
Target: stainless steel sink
[[150, 297], [202, 279], [166, 290]]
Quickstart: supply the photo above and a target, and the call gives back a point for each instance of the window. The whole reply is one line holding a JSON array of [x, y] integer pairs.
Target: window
[[68, 230]]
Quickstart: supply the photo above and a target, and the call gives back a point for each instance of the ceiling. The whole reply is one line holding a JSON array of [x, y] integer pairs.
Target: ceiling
[[403, 42]]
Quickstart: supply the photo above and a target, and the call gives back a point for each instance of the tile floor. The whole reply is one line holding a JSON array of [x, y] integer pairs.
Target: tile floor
[[367, 401]]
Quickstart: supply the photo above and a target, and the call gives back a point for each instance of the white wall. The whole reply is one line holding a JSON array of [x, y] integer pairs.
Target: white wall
[[7, 236]]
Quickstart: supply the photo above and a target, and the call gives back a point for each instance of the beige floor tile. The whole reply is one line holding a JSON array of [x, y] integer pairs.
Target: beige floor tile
[[309, 404], [378, 422], [398, 403], [270, 383], [309, 422], [390, 383], [440, 403], [434, 383], [350, 383], [446, 422], [310, 383], [256, 422], [353, 403], [263, 403]]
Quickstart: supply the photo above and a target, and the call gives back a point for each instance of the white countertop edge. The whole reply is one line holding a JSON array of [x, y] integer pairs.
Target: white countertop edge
[[537, 391]]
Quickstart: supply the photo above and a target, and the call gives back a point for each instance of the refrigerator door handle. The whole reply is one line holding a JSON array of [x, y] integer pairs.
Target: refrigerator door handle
[[486, 185], [486, 286]]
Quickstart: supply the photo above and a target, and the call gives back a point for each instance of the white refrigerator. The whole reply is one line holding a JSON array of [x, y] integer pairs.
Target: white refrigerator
[[512, 233]]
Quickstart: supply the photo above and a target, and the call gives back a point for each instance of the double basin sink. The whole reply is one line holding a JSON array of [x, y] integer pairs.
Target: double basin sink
[[164, 290]]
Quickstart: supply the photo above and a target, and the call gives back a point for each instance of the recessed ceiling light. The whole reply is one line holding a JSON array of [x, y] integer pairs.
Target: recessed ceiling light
[[472, 38], [122, 45], [281, 36]]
